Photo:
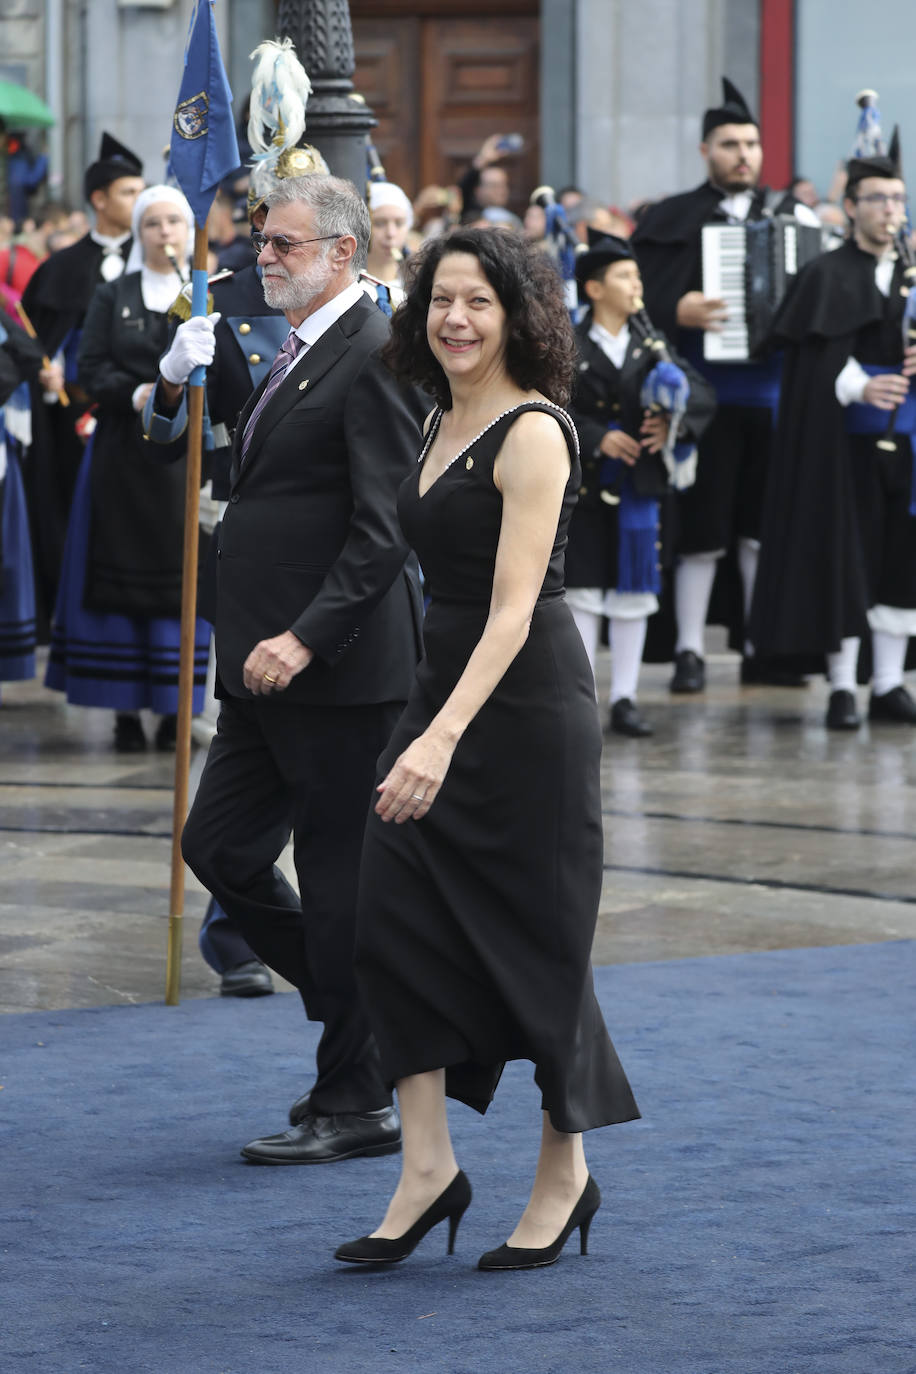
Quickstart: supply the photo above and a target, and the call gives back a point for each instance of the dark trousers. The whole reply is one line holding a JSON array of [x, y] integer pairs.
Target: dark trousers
[[220, 942], [274, 769], [726, 501]]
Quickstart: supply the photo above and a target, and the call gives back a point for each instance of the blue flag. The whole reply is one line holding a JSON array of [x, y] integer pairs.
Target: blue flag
[[204, 147]]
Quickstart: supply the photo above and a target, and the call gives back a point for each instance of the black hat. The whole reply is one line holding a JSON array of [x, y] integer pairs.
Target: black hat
[[733, 110], [114, 161], [888, 166], [602, 250]]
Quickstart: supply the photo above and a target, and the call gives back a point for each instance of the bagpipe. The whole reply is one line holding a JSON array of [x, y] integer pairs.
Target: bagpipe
[[561, 237], [665, 389], [907, 255]]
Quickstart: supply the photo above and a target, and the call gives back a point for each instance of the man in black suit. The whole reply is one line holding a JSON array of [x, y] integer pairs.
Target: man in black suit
[[317, 635]]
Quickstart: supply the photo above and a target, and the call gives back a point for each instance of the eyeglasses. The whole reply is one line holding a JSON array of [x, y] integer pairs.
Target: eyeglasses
[[882, 198], [281, 244]]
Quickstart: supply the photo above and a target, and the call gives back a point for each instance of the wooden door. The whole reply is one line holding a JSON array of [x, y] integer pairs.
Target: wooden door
[[439, 84]]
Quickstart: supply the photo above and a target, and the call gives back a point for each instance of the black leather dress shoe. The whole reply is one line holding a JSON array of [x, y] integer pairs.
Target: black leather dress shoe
[[896, 705], [300, 1109], [769, 672], [246, 980], [626, 720], [841, 712], [326, 1139], [689, 672]]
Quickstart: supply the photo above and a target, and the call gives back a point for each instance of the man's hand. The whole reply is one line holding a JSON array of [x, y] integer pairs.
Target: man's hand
[[654, 430], [141, 395], [909, 361], [696, 311], [616, 444], [886, 390], [51, 377], [272, 664], [193, 346]]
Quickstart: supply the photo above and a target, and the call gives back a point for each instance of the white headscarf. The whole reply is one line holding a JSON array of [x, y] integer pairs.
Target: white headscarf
[[386, 193], [152, 196]]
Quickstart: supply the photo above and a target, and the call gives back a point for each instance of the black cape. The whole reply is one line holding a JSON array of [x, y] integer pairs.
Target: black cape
[[20, 361], [811, 584], [56, 300], [136, 532]]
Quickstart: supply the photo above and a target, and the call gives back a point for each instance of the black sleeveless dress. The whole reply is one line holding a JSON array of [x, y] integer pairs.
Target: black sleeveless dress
[[475, 924]]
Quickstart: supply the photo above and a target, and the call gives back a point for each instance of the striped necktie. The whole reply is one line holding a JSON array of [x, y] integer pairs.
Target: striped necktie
[[288, 353]]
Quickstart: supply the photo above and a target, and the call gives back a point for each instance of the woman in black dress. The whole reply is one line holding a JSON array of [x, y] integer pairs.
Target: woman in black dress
[[482, 863]]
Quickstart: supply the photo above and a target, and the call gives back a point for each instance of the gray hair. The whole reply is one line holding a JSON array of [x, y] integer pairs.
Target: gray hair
[[337, 206]]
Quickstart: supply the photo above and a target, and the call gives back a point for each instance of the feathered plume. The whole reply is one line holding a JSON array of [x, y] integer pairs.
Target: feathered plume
[[868, 141], [280, 90]]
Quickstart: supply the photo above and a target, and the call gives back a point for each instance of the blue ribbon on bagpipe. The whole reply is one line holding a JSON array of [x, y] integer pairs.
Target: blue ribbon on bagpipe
[[559, 229], [665, 388]]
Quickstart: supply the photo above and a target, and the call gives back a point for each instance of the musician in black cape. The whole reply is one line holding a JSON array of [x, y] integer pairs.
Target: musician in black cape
[[56, 300], [721, 512], [839, 534], [615, 550]]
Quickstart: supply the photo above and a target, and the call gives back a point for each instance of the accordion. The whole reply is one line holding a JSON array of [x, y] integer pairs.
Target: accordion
[[750, 267]]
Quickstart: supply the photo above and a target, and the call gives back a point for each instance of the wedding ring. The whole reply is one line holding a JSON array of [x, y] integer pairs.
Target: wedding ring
[[416, 796], [267, 677]]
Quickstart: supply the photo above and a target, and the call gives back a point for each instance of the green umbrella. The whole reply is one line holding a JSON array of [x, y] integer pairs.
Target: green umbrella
[[20, 108]]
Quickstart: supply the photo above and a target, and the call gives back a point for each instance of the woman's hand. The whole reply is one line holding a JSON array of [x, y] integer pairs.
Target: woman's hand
[[413, 783]]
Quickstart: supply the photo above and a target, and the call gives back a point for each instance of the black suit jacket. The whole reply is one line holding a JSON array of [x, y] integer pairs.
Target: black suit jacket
[[310, 541]]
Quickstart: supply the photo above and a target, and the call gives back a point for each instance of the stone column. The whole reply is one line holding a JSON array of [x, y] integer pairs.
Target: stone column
[[337, 118]]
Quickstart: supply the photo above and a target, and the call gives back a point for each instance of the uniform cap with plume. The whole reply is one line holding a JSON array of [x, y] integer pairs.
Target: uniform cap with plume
[[280, 89]]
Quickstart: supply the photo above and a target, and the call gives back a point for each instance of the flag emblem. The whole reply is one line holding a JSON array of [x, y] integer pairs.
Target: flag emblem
[[191, 116]]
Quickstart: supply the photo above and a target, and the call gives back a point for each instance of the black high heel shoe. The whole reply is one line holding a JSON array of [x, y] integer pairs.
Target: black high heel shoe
[[453, 1203], [518, 1257]]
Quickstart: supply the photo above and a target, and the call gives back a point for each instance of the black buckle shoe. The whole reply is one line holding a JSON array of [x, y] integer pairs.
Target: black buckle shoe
[[626, 720], [841, 712], [246, 980], [128, 734], [689, 673], [167, 734], [896, 705], [327, 1139]]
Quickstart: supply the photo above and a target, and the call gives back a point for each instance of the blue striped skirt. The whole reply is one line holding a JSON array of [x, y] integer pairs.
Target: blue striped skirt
[[124, 662]]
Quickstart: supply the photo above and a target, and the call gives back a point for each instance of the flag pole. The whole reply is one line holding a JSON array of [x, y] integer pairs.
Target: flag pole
[[203, 149], [188, 629]]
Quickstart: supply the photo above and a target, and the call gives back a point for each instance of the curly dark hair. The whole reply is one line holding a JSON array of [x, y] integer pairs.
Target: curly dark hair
[[540, 347]]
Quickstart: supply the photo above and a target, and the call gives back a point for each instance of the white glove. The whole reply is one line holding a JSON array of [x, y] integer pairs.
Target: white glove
[[193, 346]]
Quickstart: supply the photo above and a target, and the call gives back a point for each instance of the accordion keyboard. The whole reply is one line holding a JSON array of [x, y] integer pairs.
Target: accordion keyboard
[[724, 254]]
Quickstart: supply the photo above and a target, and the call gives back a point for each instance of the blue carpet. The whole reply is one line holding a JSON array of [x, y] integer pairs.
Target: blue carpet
[[759, 1220]]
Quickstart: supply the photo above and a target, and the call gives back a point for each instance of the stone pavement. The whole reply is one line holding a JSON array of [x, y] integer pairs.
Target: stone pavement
[[741, 825]]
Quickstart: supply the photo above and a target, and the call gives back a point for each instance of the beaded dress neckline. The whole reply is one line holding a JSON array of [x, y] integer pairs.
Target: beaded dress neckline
[[434, 430]]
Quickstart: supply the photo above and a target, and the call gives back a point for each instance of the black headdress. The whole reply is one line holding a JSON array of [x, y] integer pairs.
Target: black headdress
[[602, 250], [733, 110], [114, 161]]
